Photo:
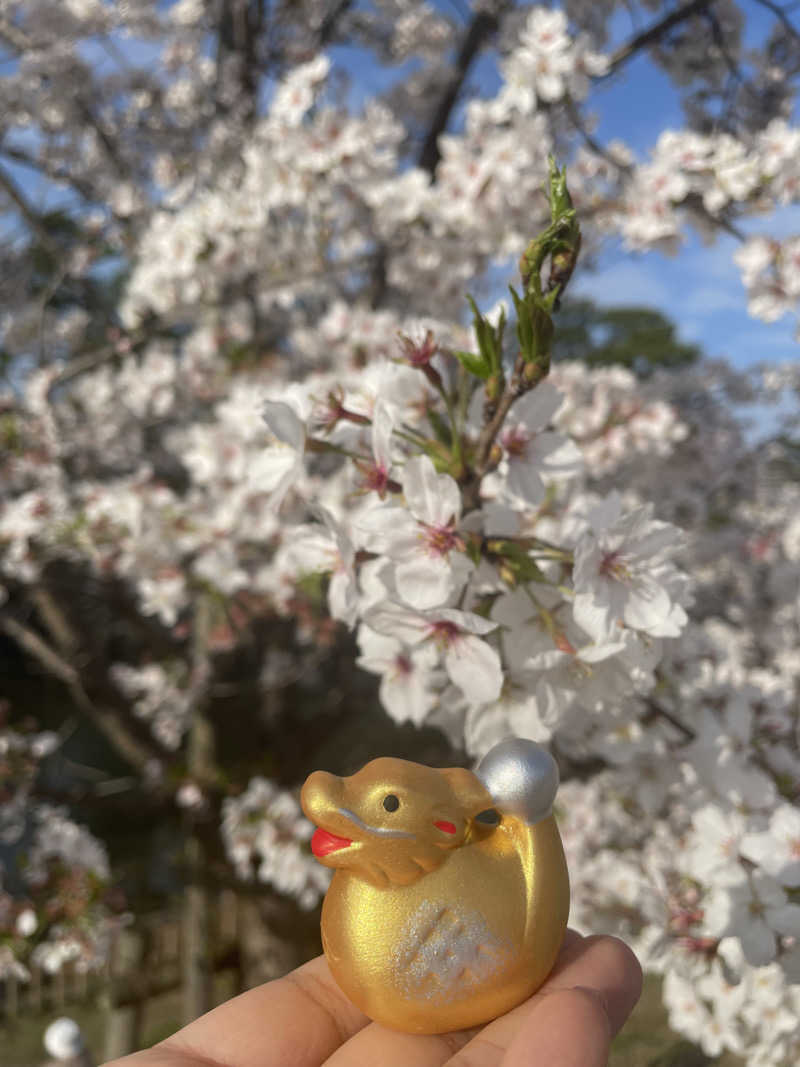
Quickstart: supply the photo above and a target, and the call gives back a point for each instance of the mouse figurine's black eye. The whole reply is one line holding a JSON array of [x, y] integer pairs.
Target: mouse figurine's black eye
[[391, 803], [490, 817]]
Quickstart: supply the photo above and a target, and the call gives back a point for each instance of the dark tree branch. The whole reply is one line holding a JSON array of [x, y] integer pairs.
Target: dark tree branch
[[656, 711], [16, 39], [654, 33], [28, 212], [20, 41], [56, 174], [328, 25], [239, 28], [693, 202], [481, 27], [81, 365], [107, 723], [781, 15], [591, 142], [110, 149], [734, 70]]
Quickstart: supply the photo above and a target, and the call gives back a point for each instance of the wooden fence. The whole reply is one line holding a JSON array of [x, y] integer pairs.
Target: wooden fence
[[147, 960]]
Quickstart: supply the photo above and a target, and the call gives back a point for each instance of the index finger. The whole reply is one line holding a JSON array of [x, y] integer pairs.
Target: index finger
[[296, 1021]]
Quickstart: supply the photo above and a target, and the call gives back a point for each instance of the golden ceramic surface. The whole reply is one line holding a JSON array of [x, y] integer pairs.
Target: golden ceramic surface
[[450, 895]]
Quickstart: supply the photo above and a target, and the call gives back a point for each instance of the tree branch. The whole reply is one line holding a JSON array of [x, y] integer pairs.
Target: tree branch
[[654, 33], [15, 38], [56, 174], [128, 746], [327, 27], [21, 42], [518, 384], [481, 27], [693, 202], [196, 963], [655, 710], [119, 166], [55, 620], [28, 212], [781, 15], [82, 365], [591, 142]]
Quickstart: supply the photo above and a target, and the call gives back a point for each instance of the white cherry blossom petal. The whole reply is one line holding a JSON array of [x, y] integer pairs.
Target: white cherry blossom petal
[[425, 581], [475, 667], [432, 498]]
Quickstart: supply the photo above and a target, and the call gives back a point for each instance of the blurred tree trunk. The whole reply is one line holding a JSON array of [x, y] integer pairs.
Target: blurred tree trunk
[[123, 1030], [197, 950], [196, 963]]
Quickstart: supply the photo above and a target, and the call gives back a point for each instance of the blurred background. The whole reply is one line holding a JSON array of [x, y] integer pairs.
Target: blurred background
[[199, 199]]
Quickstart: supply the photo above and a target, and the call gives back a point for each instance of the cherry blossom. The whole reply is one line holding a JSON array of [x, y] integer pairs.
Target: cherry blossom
[[424, 542], [286, 455], [777, 850], [620, 572], [756, 911], [408, 676], [471, 664], [532, 452]]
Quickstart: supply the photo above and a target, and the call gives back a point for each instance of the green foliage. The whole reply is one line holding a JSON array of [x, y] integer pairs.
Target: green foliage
[[10, 437], [639, 338], [488, 360]]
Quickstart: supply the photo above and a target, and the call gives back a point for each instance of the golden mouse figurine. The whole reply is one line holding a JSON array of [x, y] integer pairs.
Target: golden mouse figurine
[[451, 895]]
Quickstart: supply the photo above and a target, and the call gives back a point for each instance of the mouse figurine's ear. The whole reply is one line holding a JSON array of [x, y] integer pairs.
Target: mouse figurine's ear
[[521, 777], [468, 791]]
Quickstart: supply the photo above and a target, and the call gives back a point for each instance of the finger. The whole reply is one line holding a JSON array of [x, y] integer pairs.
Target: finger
[[571, 1019], [569, 1027], [572, 1023], [606, 965], [389, 1048], [296, 1021]]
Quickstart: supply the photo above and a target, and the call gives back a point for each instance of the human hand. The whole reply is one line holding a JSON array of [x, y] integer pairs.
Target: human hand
[[304, 1020]]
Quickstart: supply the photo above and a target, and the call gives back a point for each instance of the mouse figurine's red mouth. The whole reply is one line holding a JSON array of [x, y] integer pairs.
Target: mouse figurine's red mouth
[[324, 842]]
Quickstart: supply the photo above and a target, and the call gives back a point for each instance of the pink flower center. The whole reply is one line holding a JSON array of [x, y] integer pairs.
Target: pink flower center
[[328, 412], [375, 477], [445, 633], [403, 665], [419, 353], [441, 540], [613, 566], [515, 440]]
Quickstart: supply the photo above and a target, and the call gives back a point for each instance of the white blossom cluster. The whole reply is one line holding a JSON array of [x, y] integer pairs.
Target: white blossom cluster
[[607, 415], [771, 274], [61, 917], [697, 178], [20, 754], [549, 63], [691, 847], [266, 836], [155, 698]]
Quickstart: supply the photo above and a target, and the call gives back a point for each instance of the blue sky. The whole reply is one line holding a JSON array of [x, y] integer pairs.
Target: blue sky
[[701, 290], [700, 287]]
